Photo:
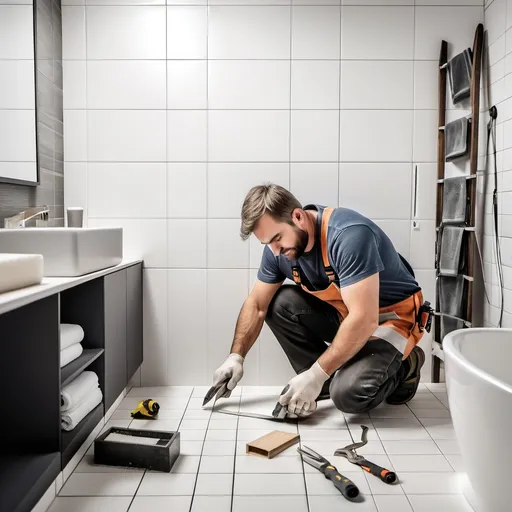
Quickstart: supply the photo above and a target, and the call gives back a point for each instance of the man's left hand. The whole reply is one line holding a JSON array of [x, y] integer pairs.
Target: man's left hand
[[300, 399]]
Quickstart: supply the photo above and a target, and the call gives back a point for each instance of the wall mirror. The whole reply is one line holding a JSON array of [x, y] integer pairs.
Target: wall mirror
[[18, 117]]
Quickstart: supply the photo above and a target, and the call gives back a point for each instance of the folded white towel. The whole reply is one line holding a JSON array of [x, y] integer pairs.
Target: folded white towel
[[76, 391], [71, 418], [70, 334], [70, 354]]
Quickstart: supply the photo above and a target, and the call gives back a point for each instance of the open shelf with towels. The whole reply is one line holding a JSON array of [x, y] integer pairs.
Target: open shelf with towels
[[75, 368]]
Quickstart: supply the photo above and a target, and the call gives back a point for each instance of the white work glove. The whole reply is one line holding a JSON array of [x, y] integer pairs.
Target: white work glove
[[300, 399], [232, 368]]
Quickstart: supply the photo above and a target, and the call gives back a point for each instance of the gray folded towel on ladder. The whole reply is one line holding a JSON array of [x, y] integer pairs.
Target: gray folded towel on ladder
[[456, 136], [454, 200], [459, 75], [451, 290], [449, 250]]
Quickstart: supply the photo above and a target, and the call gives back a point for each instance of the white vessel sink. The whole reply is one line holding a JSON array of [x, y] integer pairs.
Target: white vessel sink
[[67, 252]]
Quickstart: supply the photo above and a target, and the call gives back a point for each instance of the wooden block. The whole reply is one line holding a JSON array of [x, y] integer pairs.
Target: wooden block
[[272, 443]]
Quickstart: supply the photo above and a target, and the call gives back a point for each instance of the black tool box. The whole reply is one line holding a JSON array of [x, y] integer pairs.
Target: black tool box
[[159, 456]]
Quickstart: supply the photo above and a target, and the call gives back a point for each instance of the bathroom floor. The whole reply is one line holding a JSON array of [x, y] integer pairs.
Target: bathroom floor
[[214, 474]]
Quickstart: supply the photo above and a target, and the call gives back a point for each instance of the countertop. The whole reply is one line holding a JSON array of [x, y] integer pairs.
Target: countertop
[[52, 285]]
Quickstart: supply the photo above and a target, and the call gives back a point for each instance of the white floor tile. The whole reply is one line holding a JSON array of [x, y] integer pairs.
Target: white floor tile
[[269, 485], [192, 435], [439, 428], [167, 484], [400, 429], [440, 503], [221, 435], [270, 504], [162, 425], [200, 391], [197, 403], [217, 448], [191, 447], [121, 415], [377, 486], [392, 503], [161, 503], [211, 504], [437, 463], [325, 422], [317, 484], [341, 436], [165, 402], [186, 464], [193, 424], [227, 424], [114, 423], [436, 387], [90, 504], [256, 424], [261, 390], [101, 484], [441, 412], [196, 414], [391, 411], [448, 446], [217, 464], [156, 392], [432, 483], [411, 447], [261, 465], [323, 503], [209, 484], [87, 465], [456, 463]]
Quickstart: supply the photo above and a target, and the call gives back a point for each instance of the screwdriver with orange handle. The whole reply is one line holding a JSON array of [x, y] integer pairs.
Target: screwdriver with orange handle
[[349, 452]]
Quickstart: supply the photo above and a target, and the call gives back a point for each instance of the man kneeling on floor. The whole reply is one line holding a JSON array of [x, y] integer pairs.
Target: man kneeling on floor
[[351, 322]]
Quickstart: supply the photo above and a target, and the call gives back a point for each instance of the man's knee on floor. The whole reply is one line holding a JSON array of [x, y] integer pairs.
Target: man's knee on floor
[[350, 397]]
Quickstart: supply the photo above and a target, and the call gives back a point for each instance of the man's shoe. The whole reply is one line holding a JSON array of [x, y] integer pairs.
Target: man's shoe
[[407, 388]]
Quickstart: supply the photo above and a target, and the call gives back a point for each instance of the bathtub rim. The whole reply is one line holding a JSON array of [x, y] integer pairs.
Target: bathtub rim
[[451, 348]]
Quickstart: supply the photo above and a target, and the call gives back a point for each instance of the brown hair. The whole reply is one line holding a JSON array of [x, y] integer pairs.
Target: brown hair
[[273, 199]]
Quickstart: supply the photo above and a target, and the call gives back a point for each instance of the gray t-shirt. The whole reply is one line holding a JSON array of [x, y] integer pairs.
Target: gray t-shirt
[[357, 248]]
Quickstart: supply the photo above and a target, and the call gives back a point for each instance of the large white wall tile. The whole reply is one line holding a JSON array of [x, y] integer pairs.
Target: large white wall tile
[[238, 179], [186, 32], [225, 247], [255, 252], [73, 32], [426, 188], [249, 32], [249, 2], [376, 135], [315, 183], [315, 84], [315, 135], [75, 186], [16, 32], [226, 292], [75, 135], [126, 190], [378, 191], [425, 135], [454, 24], [423, 239], [248, 136], [248, 84], [186, 190], [187, 327], [192, 253], [399, 233], [496, 20], [144, 239], [427, 280], [126, 32], [154, 365], [125, 2], [377, 33], [425, 84], [74, 84], [186, 135], [17, 84], [395, 89], [126, 135], [135, 84], [316, 32], [509, 14], [186, 84]]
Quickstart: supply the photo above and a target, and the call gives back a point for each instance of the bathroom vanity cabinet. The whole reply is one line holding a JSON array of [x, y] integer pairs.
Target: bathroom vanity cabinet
[[108, 306]]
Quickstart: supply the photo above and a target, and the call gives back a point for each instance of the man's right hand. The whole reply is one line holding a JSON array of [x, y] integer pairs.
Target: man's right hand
[[231, 369]]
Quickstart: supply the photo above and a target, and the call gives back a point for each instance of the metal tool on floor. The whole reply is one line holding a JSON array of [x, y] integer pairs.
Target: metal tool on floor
[[349, 452], [219, 390], [348, 488], [281, 418]]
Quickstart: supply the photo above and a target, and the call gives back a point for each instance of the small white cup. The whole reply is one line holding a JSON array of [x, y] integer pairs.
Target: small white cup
[[75, 217]]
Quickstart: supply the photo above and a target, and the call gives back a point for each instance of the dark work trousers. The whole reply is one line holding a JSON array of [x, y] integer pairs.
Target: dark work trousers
[[303, 323]]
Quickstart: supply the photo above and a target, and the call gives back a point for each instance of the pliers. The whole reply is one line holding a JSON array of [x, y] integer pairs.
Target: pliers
[[348, 488], [349, 452]]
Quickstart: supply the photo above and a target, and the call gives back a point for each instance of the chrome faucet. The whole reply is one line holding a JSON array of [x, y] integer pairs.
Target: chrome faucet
[[38, 213]]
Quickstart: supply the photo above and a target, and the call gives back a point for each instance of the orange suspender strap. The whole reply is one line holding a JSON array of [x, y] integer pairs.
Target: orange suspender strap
[[323, 242]]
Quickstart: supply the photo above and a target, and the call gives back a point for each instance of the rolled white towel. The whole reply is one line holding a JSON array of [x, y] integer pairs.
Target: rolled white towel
[[70, 334], [71, 418], [76, 391], [70, 354]]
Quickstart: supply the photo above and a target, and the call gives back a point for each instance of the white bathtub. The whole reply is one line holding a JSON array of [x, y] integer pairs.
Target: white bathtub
[[478, 369]]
